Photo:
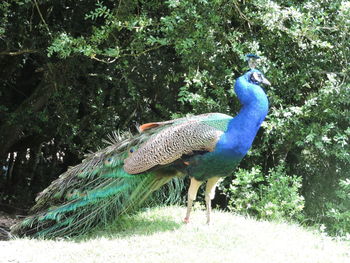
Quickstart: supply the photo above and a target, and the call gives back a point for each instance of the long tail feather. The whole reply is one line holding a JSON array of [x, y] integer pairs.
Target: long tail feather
[[96, 208], [94, 193]]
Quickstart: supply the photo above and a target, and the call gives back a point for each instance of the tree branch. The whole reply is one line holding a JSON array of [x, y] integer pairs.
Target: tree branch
[[19, 52], [41, 16], [110, 60]]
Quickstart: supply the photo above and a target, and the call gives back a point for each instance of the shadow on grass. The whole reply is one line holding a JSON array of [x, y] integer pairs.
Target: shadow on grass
[[134, 225]]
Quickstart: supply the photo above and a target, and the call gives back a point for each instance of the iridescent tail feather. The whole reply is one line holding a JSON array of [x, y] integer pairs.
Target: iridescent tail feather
[[94, 193]]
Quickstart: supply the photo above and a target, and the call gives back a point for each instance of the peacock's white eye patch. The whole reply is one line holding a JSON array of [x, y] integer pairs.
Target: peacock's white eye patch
[[256, 77]]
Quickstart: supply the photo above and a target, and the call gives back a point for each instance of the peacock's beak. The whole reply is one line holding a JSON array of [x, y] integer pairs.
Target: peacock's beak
[[266, 82]]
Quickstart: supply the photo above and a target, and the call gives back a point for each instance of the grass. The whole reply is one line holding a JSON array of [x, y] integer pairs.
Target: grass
[[158, 235]]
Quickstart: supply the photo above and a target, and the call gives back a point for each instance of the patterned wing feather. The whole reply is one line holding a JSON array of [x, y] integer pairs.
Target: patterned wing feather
[[171, 143]]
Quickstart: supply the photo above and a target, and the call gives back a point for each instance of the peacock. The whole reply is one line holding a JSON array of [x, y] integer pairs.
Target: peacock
[[120, 178]]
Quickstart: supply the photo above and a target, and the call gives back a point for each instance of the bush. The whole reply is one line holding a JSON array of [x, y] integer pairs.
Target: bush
[[338, 213], [274, 196]]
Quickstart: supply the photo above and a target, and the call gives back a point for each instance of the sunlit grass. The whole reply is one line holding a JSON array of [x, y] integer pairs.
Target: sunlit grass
[[158, 235]]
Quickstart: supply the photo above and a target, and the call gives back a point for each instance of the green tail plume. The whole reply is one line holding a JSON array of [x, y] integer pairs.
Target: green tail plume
[[94, 193]]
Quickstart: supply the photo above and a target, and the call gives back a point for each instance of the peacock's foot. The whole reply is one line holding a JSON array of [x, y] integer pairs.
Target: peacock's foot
[[186, 220]]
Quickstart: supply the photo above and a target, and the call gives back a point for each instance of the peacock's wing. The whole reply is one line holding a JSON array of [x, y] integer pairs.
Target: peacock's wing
[[177, 138]]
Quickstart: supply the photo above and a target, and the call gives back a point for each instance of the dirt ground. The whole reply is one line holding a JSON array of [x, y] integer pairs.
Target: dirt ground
[[6, 221]]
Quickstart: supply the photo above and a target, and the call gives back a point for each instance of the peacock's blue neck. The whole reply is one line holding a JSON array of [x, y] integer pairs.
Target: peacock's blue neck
[[242, 129], [249, 119], [254, 105]]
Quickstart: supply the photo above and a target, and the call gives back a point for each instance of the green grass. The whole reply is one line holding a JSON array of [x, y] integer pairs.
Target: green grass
[[158, 235]]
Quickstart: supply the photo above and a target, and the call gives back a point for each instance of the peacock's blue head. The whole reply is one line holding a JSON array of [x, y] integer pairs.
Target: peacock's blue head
[[254, 76], [248, 87]]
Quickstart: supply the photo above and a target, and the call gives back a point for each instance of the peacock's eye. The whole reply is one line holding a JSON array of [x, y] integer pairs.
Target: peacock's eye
[[256, 77], [131, 150]]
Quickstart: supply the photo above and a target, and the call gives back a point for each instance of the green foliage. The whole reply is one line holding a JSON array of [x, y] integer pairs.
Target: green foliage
[[338, 214], [274, 196], [314, 141]]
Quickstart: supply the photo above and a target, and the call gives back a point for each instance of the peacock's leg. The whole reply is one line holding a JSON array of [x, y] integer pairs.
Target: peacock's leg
[[210, 194], [192, 193]]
